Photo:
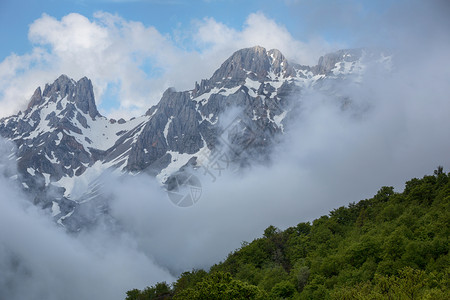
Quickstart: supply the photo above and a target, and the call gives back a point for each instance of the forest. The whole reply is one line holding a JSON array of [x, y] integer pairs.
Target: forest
[[392, 246]]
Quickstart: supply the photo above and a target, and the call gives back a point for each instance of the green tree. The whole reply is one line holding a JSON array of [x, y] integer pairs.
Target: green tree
[[160, 291], [221, 286], [283, 289]]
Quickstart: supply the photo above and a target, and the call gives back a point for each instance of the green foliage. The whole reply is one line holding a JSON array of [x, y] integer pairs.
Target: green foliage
[[392, 246], [283, 290], [408, 284], [221, 286], [160, 291], [271, 276], [301, 277], [189, 279]]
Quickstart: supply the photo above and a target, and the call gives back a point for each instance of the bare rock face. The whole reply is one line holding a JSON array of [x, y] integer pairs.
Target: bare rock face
[[36, 99], [84, 97]]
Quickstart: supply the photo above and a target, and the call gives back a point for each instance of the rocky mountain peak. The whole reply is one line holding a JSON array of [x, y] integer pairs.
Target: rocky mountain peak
[[80, 93], [255, 63], [249, 60]]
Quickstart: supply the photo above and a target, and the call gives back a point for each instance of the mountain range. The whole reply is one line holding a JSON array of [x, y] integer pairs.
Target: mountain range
[[63, 144]]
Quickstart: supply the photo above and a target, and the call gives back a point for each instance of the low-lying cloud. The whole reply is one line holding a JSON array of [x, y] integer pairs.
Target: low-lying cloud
[[39, 260]]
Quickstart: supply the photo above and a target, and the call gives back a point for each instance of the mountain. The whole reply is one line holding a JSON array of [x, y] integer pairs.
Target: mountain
[[64, 144]]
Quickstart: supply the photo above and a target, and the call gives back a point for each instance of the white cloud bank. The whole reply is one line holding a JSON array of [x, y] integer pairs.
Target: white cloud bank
[[39, 260], [136, 63]]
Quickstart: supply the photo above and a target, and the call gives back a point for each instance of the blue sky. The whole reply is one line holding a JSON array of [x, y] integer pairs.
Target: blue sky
[[133, 50]]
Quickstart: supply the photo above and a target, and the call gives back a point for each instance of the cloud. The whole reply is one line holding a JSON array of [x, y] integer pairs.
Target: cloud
[[109, 50], [258, 29], [41, 261], [131, 64]]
